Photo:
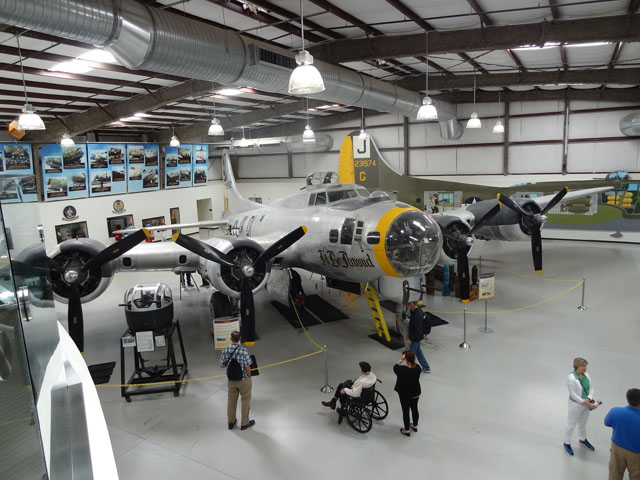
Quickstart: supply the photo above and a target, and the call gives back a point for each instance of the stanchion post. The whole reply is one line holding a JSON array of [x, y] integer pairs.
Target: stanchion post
[[326, 388], [582, 306], [464, 343], [485, 329]]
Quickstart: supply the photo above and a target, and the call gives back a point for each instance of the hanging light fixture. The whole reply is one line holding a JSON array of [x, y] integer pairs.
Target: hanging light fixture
[[67, 141], [474, 121], [174, 140], [427, 111], [29, 119], [308, 136], [215, 129], [498, 127], [363, 133], [306, 78]]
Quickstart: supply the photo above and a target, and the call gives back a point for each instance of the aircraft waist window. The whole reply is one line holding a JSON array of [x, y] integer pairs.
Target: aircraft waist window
[[348, 228], [334, 196], [321, 199]]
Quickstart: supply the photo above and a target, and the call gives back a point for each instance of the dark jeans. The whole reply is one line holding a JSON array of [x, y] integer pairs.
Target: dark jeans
[[345, 384], [407, 404]]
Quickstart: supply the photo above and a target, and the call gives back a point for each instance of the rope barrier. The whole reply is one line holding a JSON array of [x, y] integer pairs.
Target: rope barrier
[[222, 375]]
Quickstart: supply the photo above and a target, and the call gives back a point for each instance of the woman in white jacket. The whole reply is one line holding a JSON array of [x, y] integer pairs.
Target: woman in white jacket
[[580, 404]]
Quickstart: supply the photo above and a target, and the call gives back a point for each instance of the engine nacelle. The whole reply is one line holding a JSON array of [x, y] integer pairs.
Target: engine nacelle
[[78, 252], [244, 252], [452, 227], [507, 225]]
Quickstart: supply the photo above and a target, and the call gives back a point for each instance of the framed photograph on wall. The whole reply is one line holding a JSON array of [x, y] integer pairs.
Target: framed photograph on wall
[[119, 223], [174, 217], [153, 221], [68, 231]]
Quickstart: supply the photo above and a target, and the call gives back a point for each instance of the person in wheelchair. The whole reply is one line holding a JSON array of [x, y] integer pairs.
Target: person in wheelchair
[[350, 389]]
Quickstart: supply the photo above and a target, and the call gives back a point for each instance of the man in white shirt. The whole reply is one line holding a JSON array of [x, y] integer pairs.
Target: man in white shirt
[[352, 388]]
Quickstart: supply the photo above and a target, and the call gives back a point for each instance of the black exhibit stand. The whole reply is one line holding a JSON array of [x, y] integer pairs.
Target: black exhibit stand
[[143, 378]]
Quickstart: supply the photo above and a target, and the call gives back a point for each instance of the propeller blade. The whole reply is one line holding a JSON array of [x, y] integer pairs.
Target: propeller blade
[[75, 318], [117, 249], [281, 245], [463, 274], [536, 249], [487, 216], [203, 250], [513, 205], [247, 313], [554, 201]]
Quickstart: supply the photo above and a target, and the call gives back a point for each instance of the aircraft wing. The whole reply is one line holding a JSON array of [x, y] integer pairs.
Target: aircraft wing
[[545, 199], [177, 226]]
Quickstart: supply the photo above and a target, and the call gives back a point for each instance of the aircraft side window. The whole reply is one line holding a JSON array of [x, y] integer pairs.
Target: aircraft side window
[[244, 219], [348, 228], [312, 199], [321, 199], [250, 224], [333, 236], [373, 238]]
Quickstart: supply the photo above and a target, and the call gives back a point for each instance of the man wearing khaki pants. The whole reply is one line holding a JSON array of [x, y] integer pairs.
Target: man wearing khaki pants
[[236, 388], [625, 442]]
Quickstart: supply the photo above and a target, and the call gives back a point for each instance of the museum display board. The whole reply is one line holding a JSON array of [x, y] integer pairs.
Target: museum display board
[[16, 162], [64, 171], [143, 167], [186, 166]]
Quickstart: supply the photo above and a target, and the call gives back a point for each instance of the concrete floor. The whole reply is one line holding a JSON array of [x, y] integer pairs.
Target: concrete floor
[[495, 411]]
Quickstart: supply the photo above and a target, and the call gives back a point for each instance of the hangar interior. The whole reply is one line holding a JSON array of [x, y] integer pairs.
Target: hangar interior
[[561, 76]]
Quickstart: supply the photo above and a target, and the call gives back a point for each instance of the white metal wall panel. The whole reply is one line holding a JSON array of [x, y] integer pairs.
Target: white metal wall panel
[[589, 125], [535, 158], [438, 162], [610, 156], [255, 166], [390, 137], [518, 108], [482, 160], [395, 159], [427, 134], [581, 157], [536, 128], [304, 164]]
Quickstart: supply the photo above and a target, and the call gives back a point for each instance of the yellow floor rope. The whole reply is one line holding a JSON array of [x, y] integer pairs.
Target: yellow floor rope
[[221, 375]]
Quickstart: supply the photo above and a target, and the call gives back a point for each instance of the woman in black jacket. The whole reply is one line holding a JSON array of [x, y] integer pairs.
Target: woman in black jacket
[[408, 388]]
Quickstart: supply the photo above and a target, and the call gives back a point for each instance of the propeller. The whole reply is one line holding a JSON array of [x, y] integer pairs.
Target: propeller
[[245, 267], [532, 222], [464, 242], [75, 271]]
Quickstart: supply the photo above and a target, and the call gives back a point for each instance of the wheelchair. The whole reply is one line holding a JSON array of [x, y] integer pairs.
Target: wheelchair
[[361, 412]]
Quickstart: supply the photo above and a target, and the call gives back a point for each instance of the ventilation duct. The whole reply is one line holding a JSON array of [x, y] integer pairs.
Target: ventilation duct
[[630, 125], [283, 145], [142, 37]]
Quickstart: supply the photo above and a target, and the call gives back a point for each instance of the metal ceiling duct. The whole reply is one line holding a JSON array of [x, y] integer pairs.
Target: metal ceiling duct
[[142, 37], [293, 144], [630, 125]]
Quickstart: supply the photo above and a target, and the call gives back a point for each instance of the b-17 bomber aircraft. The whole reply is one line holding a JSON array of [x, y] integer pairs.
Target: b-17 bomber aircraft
[[336, 230]]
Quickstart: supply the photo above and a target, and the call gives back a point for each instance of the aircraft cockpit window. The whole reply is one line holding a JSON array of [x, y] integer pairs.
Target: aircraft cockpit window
[[321, 199], [334, 195], [362, 192], [348, 227], [312, 199]]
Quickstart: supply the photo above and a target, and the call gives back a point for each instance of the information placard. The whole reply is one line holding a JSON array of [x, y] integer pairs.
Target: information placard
[[222, 328], [486, 286]]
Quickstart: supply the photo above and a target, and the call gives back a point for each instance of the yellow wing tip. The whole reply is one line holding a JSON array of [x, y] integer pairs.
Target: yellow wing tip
[[465, 301], [304, 228], [249, 344], [147, 232], [175, 236], [538, 271], [566, 189], [498, 196]]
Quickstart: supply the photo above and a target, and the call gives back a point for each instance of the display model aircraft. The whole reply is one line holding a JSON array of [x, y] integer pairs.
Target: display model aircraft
[[362, 163], [351, 236]]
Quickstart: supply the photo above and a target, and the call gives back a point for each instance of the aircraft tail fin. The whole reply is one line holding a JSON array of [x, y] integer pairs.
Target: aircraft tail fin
[[234, 202]]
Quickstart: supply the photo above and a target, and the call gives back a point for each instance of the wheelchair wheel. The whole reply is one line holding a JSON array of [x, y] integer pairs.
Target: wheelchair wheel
[[359, 418], [379, 407]]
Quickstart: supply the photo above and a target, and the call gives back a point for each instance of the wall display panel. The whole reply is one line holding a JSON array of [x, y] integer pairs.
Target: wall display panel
[[16, 162], [119, 223], [143, 171], [535, 158], [200, 165], [107, 169], [64, 171], [68, 231], [153, 221], [178, 162]]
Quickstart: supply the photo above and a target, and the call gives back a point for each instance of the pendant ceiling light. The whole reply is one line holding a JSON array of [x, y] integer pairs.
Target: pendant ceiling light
[[215, 129], [363, 133], [67, 141], [174, 140], [29, 119], [306, 78], [498, 127], [308, 136], [474, 121], [427, 111]]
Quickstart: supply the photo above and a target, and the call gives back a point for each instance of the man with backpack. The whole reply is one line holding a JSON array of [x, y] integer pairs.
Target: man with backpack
[[416, 334], [237, 361]]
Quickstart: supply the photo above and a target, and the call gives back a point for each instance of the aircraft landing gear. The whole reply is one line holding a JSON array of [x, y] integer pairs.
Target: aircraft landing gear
[[219, 305]]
